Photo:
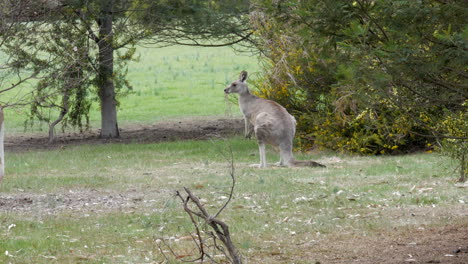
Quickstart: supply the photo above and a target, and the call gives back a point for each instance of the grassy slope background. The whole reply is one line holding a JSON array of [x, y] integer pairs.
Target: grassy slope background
[[167, 83]]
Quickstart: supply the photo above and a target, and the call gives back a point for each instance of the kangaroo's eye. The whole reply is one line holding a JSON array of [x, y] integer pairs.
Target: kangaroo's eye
[[234, 84]]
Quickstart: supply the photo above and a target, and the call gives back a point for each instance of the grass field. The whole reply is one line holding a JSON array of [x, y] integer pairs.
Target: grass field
[[112, 203], [168, 83]]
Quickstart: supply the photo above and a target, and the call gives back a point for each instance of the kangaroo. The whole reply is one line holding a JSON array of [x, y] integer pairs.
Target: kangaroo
[[271, 123]]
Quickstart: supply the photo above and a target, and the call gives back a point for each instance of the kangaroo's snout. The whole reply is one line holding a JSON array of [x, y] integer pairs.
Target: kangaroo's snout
[[226, 90]]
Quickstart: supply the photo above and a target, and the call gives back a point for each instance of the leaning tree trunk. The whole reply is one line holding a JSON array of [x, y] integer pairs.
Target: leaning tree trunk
[[109, 127], [63, 112], [2, 153]]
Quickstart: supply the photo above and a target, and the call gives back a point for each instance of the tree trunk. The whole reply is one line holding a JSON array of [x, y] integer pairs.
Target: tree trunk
[[2, 153], [109, 127], [53, 124]]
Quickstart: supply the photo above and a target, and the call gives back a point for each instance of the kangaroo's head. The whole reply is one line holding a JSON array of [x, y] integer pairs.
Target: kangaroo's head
[[239, 86]]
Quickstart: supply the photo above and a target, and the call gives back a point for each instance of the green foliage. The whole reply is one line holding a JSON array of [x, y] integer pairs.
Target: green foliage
[[456, 147], [62, 46], [193, 22], [66, 79], [371, 77]]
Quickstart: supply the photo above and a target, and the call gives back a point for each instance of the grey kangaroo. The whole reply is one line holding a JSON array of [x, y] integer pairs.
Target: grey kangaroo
[[271, 123]]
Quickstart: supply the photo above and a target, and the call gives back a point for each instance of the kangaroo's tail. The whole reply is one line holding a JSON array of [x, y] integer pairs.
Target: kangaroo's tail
[[306, 163]]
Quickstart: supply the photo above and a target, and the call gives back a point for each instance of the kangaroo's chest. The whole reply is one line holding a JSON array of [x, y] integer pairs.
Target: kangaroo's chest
[[247, 107]]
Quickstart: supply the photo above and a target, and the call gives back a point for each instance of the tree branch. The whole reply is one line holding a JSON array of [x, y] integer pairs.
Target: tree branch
[[220, 228]]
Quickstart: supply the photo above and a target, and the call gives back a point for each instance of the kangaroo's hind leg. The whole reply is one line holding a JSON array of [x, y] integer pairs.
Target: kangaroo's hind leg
[[286, 154], [280, 163], [262, 133], [262, 154]]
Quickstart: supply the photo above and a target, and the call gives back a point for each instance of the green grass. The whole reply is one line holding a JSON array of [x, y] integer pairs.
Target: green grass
[[169, 82], [90, 165], [290, 206]]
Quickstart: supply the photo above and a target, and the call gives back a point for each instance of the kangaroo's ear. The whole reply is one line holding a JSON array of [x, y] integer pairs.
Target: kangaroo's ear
[[243, 76]]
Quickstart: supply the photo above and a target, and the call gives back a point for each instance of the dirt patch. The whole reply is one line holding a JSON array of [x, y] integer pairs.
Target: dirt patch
[[187, 129], [81, 202], [445, 244]]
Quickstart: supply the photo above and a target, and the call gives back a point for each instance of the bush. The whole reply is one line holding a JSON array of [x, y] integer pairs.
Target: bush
[[363, 76]]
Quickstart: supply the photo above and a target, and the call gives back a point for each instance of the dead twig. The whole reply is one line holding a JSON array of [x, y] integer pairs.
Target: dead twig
[[220, 228], [206, 241]]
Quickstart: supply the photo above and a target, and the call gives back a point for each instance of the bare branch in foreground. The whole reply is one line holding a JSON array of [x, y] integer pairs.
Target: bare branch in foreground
[[208, 240]]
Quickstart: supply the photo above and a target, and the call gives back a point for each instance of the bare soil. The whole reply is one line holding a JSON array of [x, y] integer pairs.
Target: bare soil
[[443, 244], [435, 244], [186, 129]]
